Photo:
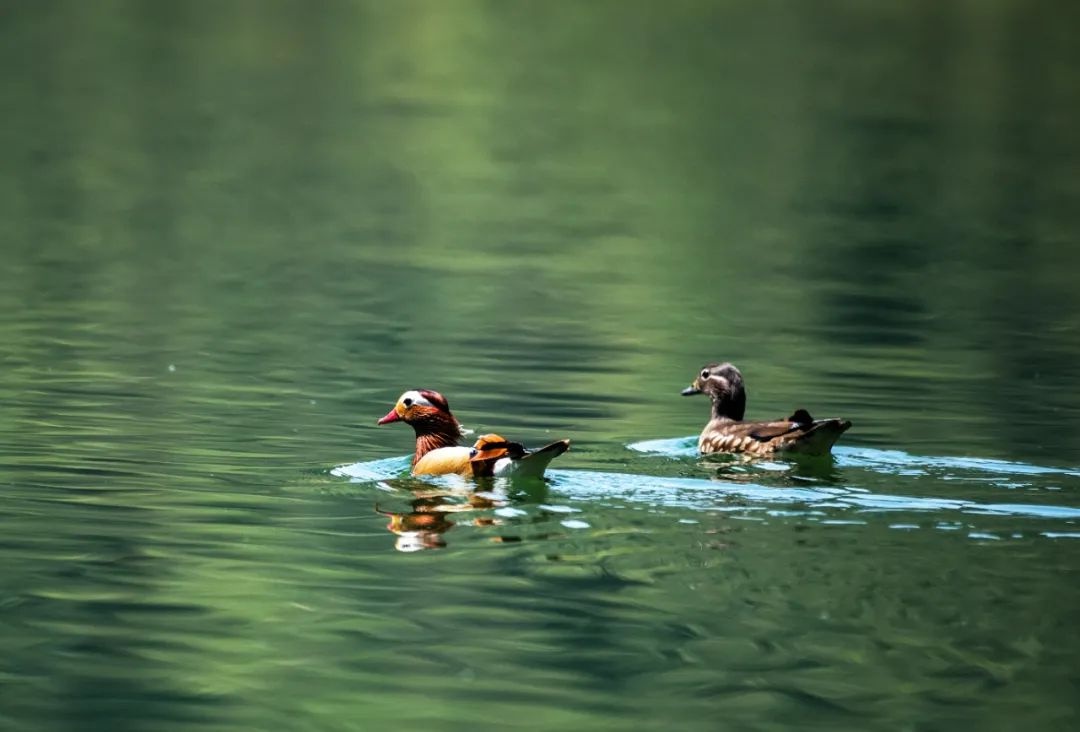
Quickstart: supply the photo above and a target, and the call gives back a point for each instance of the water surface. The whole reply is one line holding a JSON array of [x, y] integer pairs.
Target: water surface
[[234, 233]]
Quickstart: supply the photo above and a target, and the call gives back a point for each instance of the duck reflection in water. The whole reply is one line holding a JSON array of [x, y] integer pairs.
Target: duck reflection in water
[[795, 469], [417, 530], [423, 527]]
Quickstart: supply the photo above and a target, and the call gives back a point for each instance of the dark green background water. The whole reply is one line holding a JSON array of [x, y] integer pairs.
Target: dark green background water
[[233, 232]]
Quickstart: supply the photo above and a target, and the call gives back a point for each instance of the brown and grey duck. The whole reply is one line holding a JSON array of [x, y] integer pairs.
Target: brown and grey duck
[[727, 432]]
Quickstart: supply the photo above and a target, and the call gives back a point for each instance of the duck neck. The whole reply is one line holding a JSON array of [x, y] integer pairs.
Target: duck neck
[[435, 432], [729, 405]]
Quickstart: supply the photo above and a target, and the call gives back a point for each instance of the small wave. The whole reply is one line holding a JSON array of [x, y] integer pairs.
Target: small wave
[[712, 495], [373, 470]]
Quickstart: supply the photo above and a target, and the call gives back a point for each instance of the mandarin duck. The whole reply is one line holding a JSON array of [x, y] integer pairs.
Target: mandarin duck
[[727, 432], [437, 450]]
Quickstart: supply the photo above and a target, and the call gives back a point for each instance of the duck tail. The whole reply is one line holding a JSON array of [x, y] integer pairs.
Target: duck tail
[[822, 435], [535, 463]]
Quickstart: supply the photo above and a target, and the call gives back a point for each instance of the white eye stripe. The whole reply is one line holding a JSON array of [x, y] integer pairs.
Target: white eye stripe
[[412, 397]]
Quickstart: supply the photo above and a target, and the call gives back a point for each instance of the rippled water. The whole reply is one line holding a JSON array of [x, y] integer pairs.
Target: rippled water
[[233, 235]]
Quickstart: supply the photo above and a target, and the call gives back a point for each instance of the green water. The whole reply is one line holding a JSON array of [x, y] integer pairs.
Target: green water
[[233, 233]]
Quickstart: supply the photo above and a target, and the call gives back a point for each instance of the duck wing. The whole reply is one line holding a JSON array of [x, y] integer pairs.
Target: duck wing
[[494, 456], [801, 433], [798, 433], [799, 422]]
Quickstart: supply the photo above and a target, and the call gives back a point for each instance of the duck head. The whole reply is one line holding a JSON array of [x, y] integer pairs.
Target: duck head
[[724, 385], [417, 407], [428, 413]]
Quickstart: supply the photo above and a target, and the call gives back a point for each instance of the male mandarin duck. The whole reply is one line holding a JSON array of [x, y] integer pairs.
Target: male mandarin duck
[[438, 452], [727, 432]]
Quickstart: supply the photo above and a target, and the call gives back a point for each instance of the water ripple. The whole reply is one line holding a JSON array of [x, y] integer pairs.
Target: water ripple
[[712, 494]]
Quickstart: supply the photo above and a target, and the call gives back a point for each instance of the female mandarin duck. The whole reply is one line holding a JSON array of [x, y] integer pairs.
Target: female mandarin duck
[[727, 432], [438, 452]]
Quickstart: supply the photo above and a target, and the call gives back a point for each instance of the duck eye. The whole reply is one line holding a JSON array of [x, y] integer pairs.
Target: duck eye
[[704, 373], [407, 402]]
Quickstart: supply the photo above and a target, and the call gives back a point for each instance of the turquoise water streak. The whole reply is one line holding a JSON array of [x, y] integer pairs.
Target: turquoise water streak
[[750, 488], [234, 232]]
